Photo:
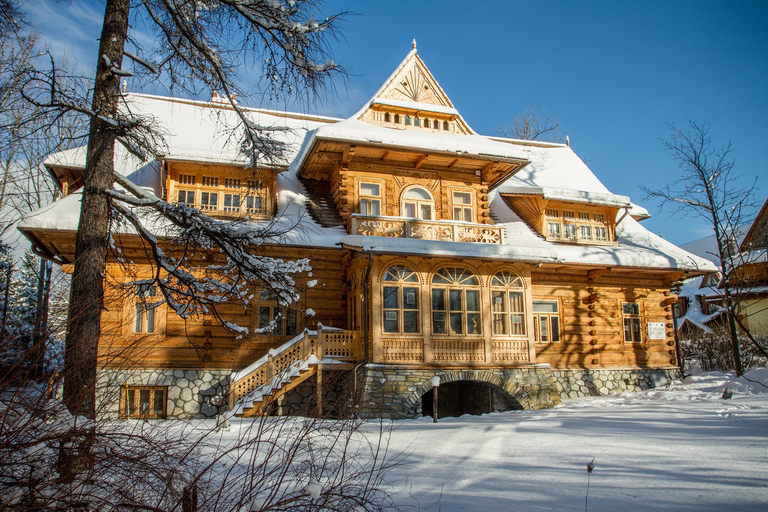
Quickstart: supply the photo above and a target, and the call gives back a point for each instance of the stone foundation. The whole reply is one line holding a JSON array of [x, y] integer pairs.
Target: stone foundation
[[395, 392], [593, 382], [190, 393]]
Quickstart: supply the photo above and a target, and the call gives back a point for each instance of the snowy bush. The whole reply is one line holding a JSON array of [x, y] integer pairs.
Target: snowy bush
[[714, 351]]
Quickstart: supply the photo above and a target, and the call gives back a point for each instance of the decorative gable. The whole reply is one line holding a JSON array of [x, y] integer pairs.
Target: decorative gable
[[411, 99]]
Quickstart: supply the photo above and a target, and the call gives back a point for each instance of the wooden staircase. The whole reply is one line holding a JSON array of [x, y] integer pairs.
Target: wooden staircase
[[255, 388]]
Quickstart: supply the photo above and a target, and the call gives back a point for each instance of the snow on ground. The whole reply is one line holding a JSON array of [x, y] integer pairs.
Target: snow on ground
[[680, 448]]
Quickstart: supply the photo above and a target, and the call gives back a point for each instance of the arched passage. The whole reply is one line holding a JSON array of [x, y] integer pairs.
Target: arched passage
[[461, 397]]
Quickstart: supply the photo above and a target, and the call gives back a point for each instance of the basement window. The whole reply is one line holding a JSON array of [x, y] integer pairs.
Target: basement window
[[143, 402]]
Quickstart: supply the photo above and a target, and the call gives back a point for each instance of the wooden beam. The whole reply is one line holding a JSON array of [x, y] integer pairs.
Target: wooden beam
[[349, 152], [596, 273], [671, 277], [420, 161], [385, 155], [453, 163]]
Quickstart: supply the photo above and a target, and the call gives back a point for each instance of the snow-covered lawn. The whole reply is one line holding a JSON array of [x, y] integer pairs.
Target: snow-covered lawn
[[680, 448]]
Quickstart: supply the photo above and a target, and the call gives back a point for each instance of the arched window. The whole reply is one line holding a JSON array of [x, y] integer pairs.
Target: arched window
[[386, 117], [416, 121], [400, 301], [435, 124], [455, 302], [508, 304], [397, 118], [408, 120], [445, 125], [417, 203]]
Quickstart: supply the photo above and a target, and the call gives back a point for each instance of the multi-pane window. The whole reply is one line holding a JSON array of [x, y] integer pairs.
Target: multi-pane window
[[630, 312], [144, 309], [455, 302], [142, 402], [546, 321], [417, 203], [400, 301], [576, 226], [186, 196], [508, 304], [273, 318], [234, 196], [462, 206], [231, 202], [370, 198], [209, 200], [553, 230]]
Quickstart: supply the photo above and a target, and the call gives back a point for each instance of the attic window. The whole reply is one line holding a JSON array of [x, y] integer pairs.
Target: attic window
[[397, 118], [568, 214], [386, 117], [584, 216], [210, 181], [599, 217], [445, 125], [553, 213], [407, 120], [416, 121], [435, 125], [187, 179], [231, 183]]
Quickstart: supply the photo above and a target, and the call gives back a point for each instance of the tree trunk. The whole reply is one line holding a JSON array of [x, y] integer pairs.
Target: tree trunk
[[87, 293]]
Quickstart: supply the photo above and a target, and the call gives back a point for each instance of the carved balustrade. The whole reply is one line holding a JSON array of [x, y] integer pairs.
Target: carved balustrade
[[450, 231]]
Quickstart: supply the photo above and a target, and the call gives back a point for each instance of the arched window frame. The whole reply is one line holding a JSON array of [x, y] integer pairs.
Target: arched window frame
[[407, 120], [401, 311], [456, 303], [417, 208], [386, 117], [397, 118], [508, 304]]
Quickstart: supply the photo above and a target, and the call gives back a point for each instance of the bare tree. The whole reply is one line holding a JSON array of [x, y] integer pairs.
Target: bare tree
[[529, 125], [705, 188], [199, 43]]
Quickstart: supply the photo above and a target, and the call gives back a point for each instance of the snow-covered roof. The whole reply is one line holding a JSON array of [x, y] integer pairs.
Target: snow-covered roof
[[203, 132], [558, 173], [352, 130], [425, 107]]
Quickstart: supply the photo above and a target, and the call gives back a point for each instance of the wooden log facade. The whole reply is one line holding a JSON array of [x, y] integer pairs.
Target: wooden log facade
[[435, 253]]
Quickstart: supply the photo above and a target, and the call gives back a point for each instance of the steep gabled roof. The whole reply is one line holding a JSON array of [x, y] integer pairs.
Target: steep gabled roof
[[412, 86]]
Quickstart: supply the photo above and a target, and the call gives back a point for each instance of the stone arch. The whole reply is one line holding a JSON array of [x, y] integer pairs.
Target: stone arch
[[511, 392]]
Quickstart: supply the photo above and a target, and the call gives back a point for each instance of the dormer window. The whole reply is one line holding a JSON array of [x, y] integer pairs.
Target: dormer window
[[417, 203]]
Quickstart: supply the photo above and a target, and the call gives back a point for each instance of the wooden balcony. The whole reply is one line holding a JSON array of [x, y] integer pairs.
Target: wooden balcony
[[444, 230]]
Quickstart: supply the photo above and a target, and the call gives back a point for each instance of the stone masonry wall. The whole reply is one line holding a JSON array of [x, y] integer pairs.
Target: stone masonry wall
[[395, 392], [587, 382], [191, 393]]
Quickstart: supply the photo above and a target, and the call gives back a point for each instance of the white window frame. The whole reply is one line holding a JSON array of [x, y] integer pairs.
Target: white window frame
[[369, 203], [417, 204], [461, 209]]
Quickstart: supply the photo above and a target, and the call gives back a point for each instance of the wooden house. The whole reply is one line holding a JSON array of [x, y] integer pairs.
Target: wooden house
[[500, 270]]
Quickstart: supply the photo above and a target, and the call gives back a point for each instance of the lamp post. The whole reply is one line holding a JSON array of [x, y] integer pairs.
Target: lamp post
[[435, 385]]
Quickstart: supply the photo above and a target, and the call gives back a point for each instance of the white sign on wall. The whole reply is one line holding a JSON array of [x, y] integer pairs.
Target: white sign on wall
[[656, 331]]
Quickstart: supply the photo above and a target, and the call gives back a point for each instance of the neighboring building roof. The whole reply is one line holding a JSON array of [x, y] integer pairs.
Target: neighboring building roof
[[757, 236]]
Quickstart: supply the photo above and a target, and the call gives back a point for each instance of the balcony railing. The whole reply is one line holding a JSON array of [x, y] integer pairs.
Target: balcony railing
[[446, 230]]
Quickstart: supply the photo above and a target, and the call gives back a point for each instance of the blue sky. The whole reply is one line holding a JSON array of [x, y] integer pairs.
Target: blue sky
[[614, 72]]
